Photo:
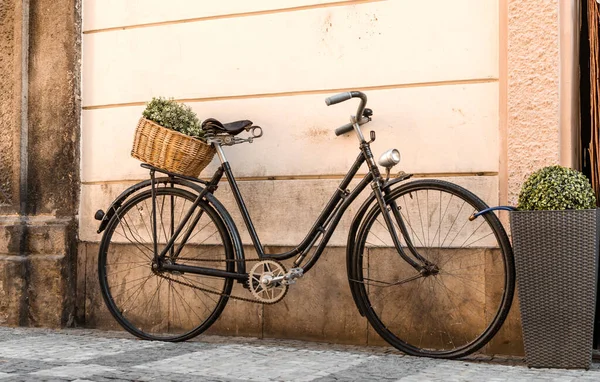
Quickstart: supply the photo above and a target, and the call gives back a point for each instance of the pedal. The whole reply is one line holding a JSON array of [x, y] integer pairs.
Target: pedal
[[291, 276]]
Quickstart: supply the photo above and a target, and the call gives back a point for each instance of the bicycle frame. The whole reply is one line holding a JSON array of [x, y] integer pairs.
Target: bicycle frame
[[325, 224], [323, 227]]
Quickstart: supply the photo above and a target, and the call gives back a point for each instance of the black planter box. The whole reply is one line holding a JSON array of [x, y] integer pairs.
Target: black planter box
[[556, 259]]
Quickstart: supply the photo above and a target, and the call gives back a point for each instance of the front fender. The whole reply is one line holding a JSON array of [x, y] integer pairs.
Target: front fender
[[234, 234], [356, 222]]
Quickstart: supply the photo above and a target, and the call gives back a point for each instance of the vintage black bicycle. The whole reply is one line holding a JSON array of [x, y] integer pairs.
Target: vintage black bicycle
[[431, 270]]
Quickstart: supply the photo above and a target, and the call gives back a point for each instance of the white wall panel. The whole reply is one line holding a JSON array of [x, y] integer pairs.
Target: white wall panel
[[101, 14], [439, 129], [371, 44], [447, 129]]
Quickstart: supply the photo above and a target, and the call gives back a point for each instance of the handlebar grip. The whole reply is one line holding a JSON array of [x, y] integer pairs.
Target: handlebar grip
[[341, 97], [348, 126], [344, 129]]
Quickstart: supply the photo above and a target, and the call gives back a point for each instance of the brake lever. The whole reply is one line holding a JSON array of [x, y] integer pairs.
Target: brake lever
[[372, 136]]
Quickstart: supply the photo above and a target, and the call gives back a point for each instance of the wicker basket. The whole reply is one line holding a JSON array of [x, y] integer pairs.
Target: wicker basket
[[170, 150]]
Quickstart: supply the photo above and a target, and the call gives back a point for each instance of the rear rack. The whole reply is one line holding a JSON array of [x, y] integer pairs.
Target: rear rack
[[173, 174]]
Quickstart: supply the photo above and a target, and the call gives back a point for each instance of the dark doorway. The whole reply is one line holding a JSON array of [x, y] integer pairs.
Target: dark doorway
[[584, 90], [586, 123]]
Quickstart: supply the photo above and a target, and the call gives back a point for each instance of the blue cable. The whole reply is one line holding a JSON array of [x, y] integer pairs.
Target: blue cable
[[490, 209]]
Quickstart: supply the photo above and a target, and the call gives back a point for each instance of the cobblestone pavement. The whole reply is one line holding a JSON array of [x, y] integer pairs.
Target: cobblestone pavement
[[88, 355]]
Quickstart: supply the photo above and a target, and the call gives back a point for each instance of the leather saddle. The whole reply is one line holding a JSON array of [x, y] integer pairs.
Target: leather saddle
[[231, 128]]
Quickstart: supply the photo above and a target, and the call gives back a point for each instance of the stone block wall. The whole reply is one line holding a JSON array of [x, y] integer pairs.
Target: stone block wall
[[39, 160]]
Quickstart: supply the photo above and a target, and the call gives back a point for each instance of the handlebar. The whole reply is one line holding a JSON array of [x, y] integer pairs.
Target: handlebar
[[341, 97], [349, 126]]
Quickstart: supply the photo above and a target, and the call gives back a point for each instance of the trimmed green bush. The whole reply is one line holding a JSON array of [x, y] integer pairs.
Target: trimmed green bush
[[556, 188], [173, 115]]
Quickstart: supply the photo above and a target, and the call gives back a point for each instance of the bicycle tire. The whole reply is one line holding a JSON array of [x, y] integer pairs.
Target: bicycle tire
[[448, 314], [128, 237]]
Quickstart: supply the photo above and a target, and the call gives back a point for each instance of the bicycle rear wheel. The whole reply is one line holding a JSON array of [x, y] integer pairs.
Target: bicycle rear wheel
[[163, 305], [459, 305]]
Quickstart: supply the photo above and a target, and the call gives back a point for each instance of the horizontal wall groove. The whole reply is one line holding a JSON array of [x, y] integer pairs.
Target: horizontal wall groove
[[307, 92], [307, 177], [230, 16]]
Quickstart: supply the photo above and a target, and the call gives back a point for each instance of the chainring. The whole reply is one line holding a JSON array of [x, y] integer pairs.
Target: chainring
[[261, 283]]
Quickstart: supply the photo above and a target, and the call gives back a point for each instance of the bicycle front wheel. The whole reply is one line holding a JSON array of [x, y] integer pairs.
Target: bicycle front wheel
[[164, 305], [460, 302]]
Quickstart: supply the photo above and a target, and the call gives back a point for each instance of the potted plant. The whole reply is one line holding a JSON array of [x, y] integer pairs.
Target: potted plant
[[555, 241], [170, 136]]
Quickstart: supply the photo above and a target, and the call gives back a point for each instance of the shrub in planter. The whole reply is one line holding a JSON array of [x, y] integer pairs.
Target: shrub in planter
[[555, 241], [556, 188], [173, 115]]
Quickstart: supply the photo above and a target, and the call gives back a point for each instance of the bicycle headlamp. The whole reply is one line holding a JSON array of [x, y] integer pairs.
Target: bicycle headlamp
[[389, 158]]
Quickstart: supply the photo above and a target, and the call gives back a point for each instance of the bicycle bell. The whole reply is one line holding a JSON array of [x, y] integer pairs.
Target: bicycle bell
[[389, 159]]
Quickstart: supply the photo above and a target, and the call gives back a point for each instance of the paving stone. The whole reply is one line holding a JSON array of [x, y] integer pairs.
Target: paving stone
[[88, 355], [59, 348], [74, 371]]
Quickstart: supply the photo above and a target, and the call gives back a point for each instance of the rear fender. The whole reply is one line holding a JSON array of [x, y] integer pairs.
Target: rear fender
[[234, 234]]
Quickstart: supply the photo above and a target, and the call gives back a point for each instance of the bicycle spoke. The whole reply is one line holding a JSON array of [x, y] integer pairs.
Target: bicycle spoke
[[137, 241], [456, 309], [128, 263], [149, 231], [442, 217], [137, 292], [208, 295], [186, 303], [478, 240], [420, 216], [414, 233], [452, 225], [427, 224], [141, 278], [129, 269]]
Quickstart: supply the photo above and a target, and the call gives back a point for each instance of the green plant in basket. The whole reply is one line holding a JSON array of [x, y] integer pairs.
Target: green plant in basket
[[556, 188], [173, 115]]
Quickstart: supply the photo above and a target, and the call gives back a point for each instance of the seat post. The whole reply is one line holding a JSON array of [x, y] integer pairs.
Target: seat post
[[220, 152]]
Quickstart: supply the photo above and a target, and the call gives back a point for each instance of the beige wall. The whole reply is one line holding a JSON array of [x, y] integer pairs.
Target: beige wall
[[431, 78]]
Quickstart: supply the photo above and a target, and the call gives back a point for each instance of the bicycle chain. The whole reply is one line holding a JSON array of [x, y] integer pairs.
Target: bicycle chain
[[214, 291], [223, 260]]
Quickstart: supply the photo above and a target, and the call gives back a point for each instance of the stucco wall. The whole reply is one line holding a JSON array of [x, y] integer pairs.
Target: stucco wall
[[532, 103]]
